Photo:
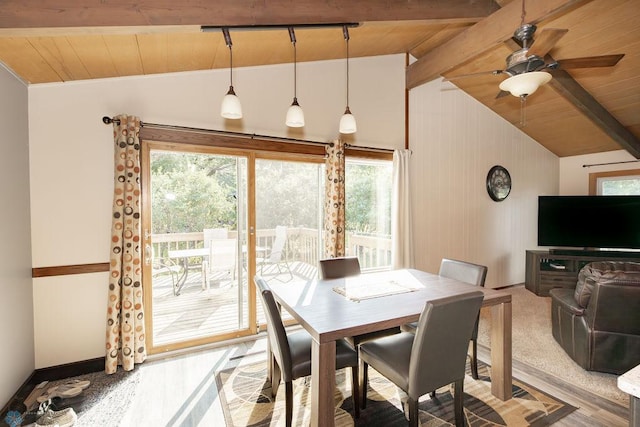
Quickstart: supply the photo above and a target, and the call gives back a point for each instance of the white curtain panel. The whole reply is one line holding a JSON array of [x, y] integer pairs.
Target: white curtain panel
[[401, 228]]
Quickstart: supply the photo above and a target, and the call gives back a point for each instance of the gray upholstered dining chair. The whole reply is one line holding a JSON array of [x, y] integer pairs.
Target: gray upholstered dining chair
[[467, 272], [433, 357], [292, 353], [337, 268]]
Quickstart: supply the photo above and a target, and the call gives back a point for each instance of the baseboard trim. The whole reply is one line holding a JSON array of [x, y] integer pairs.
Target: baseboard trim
[[67, 370]]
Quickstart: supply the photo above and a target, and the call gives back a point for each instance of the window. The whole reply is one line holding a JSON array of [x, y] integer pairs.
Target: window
[[616, 183], [368, 211]]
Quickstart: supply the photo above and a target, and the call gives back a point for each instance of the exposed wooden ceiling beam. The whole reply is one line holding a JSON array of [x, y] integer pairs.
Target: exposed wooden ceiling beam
[[484, 35], [578, 96], [573, 92], [88, 13]]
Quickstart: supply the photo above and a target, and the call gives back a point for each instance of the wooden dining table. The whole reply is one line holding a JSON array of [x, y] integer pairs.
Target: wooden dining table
[[334, 309]]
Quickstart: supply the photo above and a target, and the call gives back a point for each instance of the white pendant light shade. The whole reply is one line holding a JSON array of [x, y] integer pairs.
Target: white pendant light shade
[[295, 115], [526, 83], [348, 122], [231, 108]]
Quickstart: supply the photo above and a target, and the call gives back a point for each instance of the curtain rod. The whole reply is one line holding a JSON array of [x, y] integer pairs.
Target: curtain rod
[[359, 147], [108, 120], [610, 163]]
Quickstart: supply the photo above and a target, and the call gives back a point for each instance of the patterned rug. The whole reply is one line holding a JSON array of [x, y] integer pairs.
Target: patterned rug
[[246, 401]]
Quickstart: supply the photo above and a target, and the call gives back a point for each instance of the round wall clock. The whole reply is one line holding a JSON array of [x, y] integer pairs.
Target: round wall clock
[[498, 183]]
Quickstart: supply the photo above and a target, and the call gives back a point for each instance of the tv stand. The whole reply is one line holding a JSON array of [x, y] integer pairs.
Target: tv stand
[[559, 268], [593, 253]]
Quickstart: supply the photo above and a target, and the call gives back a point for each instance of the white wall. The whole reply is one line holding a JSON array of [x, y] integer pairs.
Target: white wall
[[72, 161], [574, 178], [455, 141], [16, 313]]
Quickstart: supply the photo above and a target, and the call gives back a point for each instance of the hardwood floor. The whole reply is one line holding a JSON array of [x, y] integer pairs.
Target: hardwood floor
[[198, 313], [593, 410], [181, 391]]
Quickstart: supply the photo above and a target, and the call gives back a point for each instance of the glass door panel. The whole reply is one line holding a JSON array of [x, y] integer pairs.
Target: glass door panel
[[288, 206], [198, 234]]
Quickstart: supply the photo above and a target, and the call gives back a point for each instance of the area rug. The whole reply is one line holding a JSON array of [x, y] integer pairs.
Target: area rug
[[105, 401], [246, 401]]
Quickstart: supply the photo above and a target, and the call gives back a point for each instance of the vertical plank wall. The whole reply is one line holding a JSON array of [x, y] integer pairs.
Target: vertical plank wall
[[455, 141], [16, 314]]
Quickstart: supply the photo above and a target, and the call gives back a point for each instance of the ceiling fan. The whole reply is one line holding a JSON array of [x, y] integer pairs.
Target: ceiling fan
[[527, 67]]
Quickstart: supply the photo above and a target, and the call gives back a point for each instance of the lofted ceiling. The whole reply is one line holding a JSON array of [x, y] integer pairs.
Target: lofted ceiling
[[581, 111]]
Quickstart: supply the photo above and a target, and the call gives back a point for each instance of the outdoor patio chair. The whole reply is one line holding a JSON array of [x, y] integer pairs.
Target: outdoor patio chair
[[214, 233], [166, 268], [221, 262], [276, 256]]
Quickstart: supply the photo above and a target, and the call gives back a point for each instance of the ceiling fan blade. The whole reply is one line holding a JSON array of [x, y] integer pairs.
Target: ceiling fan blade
[[480, 73], [502, 94], [589, 61], [546, 41]]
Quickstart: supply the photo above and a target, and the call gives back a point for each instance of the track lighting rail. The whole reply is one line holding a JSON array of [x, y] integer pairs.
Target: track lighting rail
[[212, 28]]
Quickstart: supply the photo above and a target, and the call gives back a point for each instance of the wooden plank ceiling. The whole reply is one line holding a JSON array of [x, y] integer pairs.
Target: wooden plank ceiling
[[581, 111]]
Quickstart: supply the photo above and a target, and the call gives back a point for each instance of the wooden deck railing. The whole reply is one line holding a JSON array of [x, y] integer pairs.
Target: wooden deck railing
[[302, 245]]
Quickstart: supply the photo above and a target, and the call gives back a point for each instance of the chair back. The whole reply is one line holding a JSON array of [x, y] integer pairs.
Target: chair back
[[336, 268], [277, 249], [208, 234], [276, 333], [462, 271], [223, 254], [439, 352]]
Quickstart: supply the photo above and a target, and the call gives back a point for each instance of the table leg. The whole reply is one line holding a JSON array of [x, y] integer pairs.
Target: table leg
[[183, 278], [501, 351], [634, 411], [323, 383]]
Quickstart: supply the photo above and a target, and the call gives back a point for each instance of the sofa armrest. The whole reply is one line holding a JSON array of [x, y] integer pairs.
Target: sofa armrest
[[565, 298]]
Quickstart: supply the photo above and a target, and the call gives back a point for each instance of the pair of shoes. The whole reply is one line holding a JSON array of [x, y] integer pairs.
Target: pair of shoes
[[69, 388], [64, 418]]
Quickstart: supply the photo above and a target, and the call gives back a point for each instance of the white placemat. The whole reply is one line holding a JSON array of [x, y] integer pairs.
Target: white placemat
[[362, 289]]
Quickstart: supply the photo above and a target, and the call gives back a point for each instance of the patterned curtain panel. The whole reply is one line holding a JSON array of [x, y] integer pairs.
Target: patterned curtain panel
[[125, 314], [334, 222]]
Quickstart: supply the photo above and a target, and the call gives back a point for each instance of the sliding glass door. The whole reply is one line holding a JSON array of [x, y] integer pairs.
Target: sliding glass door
[[196, 248], [214, 218], [289, 198]]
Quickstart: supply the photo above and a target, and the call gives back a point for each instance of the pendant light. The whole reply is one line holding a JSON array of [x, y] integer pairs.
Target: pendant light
[[295, 115], [231, 108], [347, 121]]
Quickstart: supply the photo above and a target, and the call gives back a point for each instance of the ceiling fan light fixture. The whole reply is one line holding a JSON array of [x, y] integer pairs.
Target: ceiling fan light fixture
[[526, 83]]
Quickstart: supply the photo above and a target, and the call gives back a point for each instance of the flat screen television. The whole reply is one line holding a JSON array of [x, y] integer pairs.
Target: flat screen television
[[589, 222]]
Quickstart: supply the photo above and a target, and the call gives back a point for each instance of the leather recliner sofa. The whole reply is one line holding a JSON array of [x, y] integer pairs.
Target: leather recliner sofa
[[598, 323]]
